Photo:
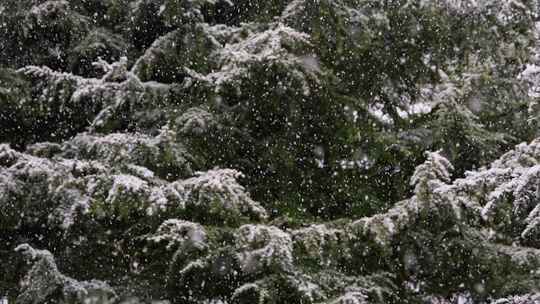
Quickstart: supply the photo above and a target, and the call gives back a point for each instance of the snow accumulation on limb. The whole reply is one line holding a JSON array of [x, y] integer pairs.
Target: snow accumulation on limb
[[218, 191], [183, 234], [44, 282], [264, 248], [508, 190], [113, 182]]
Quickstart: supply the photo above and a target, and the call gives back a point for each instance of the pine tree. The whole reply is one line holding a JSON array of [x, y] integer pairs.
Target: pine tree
[[234, 151]]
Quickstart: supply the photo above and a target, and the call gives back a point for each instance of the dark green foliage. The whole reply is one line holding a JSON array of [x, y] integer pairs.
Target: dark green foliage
[[168, 57], [99, 43], [269, 151]]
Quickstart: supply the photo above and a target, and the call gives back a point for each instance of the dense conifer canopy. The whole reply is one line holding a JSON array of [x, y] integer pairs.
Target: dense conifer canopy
[[269, 151]]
